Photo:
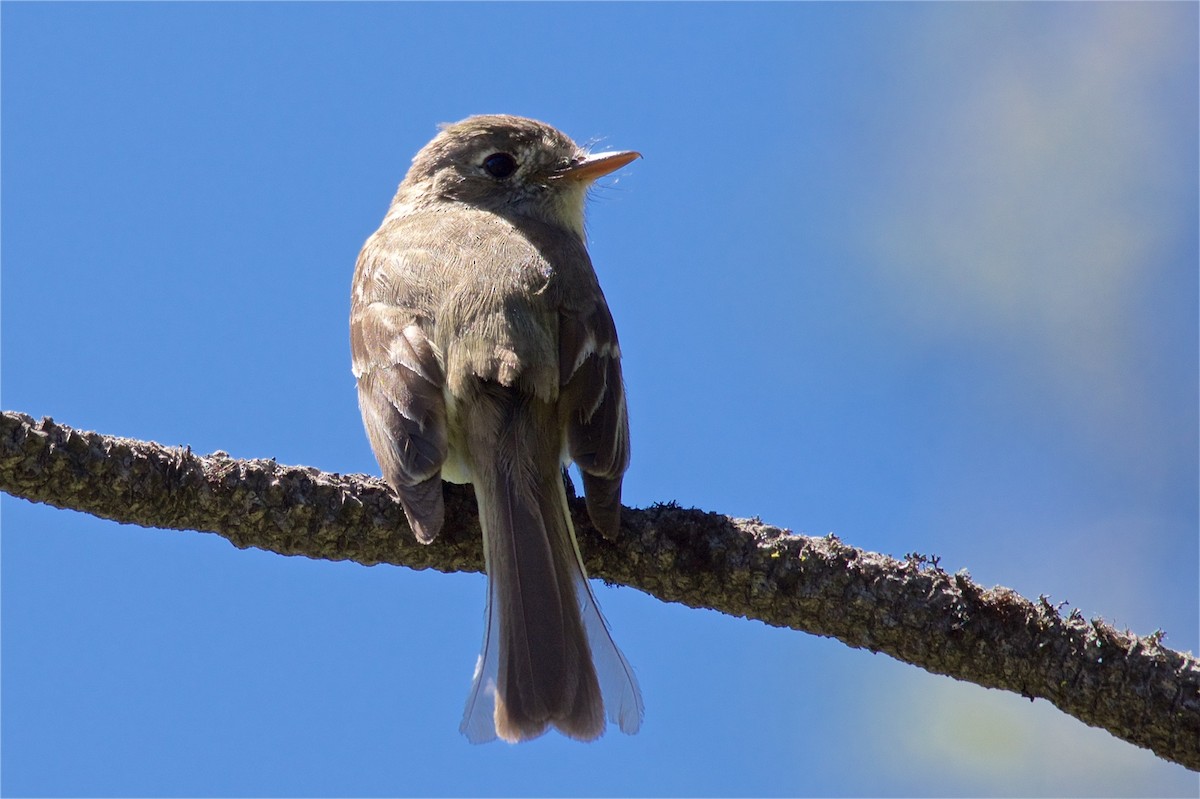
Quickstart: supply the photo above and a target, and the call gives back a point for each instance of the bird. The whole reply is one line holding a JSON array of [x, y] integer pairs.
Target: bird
[[484, 352]]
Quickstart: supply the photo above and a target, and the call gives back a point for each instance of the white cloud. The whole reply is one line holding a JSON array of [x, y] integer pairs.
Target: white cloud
[[1038, 202], [980, 740]]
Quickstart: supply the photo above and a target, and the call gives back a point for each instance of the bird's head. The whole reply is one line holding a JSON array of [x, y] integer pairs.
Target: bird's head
[[510, 166]]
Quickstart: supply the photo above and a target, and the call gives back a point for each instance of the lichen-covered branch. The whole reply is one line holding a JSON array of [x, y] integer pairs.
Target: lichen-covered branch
[[910, 609]]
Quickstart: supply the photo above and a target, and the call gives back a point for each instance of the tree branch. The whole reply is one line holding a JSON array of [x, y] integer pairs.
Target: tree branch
[[1131, 686]]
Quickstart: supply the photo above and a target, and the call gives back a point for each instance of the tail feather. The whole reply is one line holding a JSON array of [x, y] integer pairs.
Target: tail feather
[[544, 665], [543, 627], [618, 686]]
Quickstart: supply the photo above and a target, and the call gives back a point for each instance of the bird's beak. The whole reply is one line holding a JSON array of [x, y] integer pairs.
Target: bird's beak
[[595, 165]]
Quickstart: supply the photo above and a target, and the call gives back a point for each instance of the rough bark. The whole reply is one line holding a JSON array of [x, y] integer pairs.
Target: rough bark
[[911, 609]]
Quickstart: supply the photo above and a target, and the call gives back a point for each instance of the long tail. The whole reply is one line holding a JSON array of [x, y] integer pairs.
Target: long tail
[[544, 629]]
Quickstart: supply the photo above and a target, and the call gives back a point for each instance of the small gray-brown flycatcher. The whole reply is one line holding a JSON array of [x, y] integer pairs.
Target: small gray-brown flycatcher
[[485, 353]]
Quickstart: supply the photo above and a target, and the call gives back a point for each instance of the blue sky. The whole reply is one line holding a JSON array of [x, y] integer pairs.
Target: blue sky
[[924, 276]]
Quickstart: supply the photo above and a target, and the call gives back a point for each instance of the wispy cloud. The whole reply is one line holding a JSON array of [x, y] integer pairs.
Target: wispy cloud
[[1043, 199]]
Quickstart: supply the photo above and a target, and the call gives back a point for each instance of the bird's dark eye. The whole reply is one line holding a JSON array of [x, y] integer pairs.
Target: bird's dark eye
[[500, 165]]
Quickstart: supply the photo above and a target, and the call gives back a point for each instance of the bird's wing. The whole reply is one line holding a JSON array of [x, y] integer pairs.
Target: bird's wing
[[592, 404], [400, 394]]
